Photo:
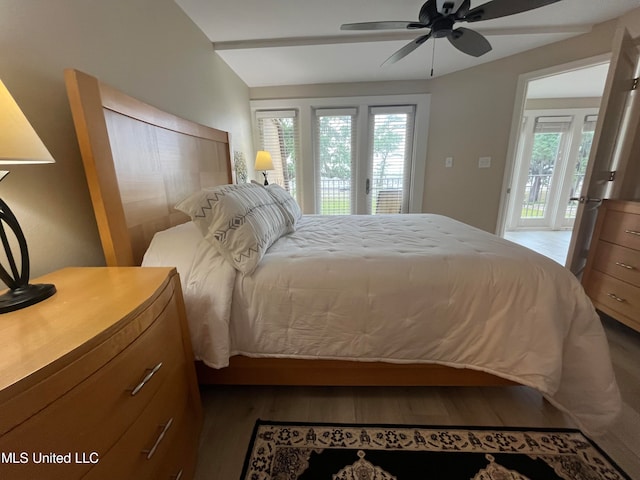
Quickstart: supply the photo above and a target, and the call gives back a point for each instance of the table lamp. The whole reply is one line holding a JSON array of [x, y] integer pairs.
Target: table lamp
[[19, 144], [264, 163]]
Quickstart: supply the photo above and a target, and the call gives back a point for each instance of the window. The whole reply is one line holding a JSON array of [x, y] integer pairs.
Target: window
[[278, 134], [351, 155]]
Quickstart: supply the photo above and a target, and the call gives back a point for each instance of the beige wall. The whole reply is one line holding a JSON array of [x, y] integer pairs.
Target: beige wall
[[147, 48], [471, 114]]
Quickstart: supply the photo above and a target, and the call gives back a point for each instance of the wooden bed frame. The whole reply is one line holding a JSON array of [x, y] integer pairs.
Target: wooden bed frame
[[139, 162]]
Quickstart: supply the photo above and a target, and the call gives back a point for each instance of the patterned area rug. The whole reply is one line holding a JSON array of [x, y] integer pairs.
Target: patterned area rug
[[294, 451]]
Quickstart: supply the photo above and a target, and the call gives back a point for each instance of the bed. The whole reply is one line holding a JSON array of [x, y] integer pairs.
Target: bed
[[326, 328]]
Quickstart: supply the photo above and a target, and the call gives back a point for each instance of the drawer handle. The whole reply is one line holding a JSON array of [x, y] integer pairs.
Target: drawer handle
[[146, 378], [624, 265], [616, 298], [165, 429], [177, 476], [632, 232]]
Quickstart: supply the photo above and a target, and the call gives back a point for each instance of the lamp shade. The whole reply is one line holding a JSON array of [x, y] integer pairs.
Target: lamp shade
[[19, 143], [263, 161]]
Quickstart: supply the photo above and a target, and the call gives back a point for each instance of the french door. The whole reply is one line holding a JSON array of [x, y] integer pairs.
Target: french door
[[363, 159], [552, 161]]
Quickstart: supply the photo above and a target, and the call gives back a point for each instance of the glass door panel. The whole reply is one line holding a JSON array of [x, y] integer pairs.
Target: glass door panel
[[391, 129], [542, 182], [335, 138], [588, 129], [278, 135]]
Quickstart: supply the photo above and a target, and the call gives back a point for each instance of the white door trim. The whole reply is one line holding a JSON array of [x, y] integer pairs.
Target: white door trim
[[516, 123]]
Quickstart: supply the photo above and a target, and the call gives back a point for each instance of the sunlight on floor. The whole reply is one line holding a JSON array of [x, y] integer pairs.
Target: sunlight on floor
[[551, 243]]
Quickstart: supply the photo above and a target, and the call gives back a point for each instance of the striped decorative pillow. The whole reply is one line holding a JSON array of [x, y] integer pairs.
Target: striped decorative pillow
[[240, 221], [287, 203]]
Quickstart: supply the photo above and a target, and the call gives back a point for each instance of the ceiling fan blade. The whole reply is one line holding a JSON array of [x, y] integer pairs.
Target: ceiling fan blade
[[503, 8], [393, 25], [407, 49], [469, 42]]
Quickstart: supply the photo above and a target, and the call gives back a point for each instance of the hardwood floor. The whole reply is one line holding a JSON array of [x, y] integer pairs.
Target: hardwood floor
[[551, 243], [230, 412]]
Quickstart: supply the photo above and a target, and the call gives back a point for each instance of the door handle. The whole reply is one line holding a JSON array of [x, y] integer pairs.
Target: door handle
[[367, 186], [585, 200]]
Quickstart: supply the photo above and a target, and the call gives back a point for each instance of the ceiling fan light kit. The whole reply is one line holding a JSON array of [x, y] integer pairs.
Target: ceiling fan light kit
[[440, 17]]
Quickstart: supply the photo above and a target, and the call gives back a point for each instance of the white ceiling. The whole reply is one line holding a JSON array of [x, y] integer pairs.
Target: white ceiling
[[581, 82], [293, 42]]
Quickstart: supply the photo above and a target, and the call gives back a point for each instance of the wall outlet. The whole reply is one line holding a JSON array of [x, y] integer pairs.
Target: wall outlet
[[484, 162], [448, 162]]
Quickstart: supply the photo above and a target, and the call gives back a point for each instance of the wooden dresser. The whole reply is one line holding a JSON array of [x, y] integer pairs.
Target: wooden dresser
[[98, 381], [612, 275]]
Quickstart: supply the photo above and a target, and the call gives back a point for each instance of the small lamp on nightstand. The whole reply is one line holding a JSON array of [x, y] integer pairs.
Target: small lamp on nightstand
[[19, 144], [264, 163]]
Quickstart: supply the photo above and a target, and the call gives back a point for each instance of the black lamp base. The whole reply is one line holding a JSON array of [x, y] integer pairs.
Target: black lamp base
[[23, 297]]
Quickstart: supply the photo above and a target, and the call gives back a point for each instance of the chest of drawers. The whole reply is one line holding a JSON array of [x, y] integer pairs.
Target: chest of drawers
[[98, 381], [612, 275]]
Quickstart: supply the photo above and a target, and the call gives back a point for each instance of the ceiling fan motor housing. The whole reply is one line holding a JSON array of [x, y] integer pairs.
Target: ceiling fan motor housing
[[440, 15], [442, 27], [448, 7]]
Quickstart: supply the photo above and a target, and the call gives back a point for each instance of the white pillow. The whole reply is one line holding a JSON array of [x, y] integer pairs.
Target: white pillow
[[287, 203], [240, 221], [174, 247]]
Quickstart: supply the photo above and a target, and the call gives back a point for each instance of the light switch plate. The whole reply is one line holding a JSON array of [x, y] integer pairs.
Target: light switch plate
[[448, 162], [484, 162]]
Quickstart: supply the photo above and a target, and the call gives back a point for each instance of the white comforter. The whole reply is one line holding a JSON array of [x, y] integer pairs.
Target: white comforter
[[404, 288]]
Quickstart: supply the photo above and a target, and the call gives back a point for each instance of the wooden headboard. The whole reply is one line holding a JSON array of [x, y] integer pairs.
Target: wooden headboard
[[139, 162]]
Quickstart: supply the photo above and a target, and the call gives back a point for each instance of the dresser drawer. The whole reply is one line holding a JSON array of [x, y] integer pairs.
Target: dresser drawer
[[180, 461], [94, 415], [151, 438], [614, 295], [622, 228], [620, 262]]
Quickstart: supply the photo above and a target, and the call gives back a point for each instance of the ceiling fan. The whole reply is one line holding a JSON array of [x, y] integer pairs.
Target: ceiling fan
[[440, 16]]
